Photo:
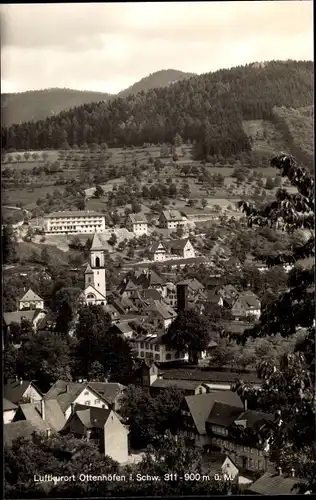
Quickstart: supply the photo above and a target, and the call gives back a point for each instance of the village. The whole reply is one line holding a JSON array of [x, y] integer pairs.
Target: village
[[141, 308]]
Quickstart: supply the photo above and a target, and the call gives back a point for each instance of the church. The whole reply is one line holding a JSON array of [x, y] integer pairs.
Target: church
[[95, 280]]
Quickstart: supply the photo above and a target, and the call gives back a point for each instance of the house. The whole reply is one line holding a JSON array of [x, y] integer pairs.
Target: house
[[196, 293], [111, 391], [171, 219], [9, 411], [74, 222], [122, 304], [34, 316], [112, 312], [95, 279], [141, 297], [22, 429], [171, 294], [47, 323], [224, 426], [152, 347], [31, 301], [222, 465], [275, 483], [122, 328], [158, 252], [214, 298], [18, 390], [227, 292], [103, 427], [195, 411], [160, 314], [69, 393], [42, 414], [247, 304], [143, 279], [189, 387], [138, 224], [182, 248]]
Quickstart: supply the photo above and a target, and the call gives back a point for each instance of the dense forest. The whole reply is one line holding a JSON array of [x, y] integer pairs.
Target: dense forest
[[207, 109]]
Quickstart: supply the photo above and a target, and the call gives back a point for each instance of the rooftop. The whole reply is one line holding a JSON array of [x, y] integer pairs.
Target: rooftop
[[29, 296], [138, 218], [172, 215], [74, 213], [14, 390], [108, 390], [274, 484]]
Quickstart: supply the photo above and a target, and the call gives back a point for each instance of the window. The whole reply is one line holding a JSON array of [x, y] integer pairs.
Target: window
[[97, 401], [157, 357], [97, 262], [87, 403], [251, 463], [168, 357], [90, 296], [142, 354], [142, 345], [252, 451], [86, 393], [157, 347]]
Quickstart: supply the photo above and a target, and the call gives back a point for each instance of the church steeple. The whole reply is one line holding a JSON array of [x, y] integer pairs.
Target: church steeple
[[88, 276]]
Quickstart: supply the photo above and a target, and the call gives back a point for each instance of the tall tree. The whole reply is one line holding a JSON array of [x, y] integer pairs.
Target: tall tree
[[289, 385]]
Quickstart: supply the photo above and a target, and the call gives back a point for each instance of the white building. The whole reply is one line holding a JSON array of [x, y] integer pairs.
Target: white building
[[95, 280], [74, 222], [182, 248], [137, 223], [31, 301], [171, 219], [151, 347]]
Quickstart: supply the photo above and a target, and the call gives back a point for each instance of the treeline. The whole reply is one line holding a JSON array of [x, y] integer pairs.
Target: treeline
[[207, 109]]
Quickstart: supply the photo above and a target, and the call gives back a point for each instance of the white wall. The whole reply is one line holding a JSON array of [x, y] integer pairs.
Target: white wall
[[8, 416], [89, 399]]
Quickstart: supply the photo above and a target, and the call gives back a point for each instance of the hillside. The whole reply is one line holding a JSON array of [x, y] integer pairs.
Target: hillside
[[39, 104], [209, 109], [162, 78], [297, 126]]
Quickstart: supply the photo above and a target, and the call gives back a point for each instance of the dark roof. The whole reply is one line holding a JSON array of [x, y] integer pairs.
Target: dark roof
[[249, 300], [254, 418], [210, 376], [156, 244], [14, 390], [17, 316], [274, 484], [108, 390], [177, 244], [92, 417], [75, 213], [33, 415], [138, 218], [179, 384], [193, 283], [53, 414], [8, 405], [223, 415], [150, 293], [200, 405], [172, 215], [161, 308], [15, 430], [123, 327], [66, 392]]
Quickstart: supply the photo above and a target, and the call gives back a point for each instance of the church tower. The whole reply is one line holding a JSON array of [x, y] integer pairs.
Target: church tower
[[95, 271]]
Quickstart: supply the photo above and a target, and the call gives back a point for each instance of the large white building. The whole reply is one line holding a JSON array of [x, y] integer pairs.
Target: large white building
[[95, 280], [138, 224], [74, 222]]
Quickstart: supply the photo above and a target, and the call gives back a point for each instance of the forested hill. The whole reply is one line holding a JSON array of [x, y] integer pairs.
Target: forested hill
[[39, 104], [208, 108], [161, 78]]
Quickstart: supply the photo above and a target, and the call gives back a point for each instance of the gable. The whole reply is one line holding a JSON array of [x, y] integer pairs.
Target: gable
[[88, 394], [91, 290]]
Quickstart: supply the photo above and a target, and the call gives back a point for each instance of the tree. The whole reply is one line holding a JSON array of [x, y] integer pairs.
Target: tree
[[189, 332], [203, 203], [269, 183], [99, 191], [9, 245], [177, 141], [9, 362], [289, 384], [26, 155], [45, 357], [96, 373]]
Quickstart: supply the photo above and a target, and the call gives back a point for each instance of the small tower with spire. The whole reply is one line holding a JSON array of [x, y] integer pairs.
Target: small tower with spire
[[95, 272]]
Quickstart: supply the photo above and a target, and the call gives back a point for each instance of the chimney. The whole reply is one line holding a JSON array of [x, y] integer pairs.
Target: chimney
[[293, 472], [43, 409], [245, 405], [72, 406], [182, 297], [280, 471], [88, 434], [48, 432], [21, 381], [67, 387]]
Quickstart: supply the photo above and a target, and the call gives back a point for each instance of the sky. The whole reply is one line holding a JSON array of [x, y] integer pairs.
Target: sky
[[107, 47]]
